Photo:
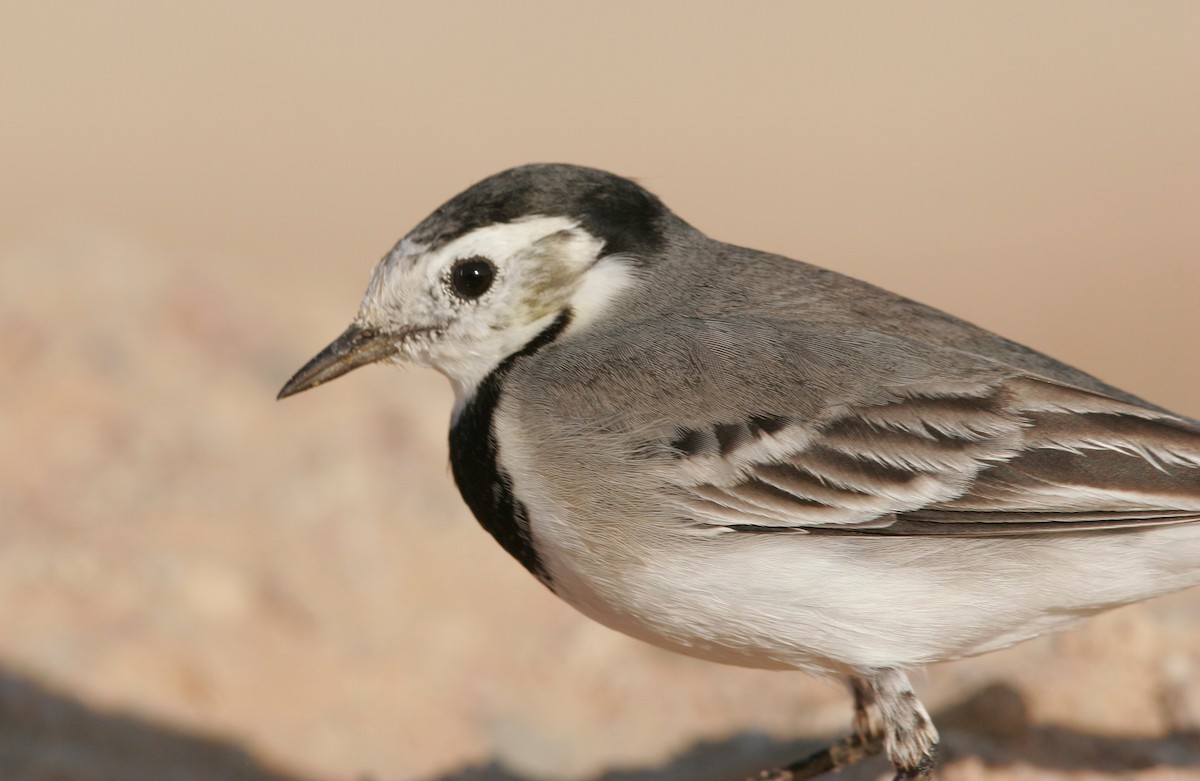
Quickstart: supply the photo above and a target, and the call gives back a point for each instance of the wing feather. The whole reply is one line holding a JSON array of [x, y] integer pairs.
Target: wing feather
[[1021, 455]]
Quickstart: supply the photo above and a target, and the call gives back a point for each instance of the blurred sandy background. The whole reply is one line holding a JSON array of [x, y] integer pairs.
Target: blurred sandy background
[[199, 583]]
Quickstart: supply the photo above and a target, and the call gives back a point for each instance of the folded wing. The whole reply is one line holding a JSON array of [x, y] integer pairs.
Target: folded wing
[[1020, 455]]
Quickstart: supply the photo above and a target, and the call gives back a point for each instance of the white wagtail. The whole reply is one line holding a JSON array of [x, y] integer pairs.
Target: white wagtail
[[749, 459]]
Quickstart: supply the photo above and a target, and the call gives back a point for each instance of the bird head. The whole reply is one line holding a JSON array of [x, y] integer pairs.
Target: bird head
[[492, 268]]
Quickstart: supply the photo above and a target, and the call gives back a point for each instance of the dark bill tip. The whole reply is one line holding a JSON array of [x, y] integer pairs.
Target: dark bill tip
[[356, 347]]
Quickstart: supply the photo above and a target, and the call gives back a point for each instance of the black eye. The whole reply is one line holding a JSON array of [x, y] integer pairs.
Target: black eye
[[471, 277]]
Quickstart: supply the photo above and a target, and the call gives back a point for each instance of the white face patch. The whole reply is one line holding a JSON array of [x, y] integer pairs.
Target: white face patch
[[600, 286], [538, 263], [508, 239]]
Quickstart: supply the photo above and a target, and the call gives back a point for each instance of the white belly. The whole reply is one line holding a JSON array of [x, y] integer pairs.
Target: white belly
[[830, 603]]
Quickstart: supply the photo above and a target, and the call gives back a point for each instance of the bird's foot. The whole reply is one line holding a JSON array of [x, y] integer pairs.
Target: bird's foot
[[843, 753], [922, 771], [888, 717]]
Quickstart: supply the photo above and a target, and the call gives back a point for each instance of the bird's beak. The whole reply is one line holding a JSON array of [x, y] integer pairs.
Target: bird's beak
[[357, 346]]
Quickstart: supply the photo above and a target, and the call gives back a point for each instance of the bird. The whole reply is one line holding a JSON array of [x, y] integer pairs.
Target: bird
[[756, 461]]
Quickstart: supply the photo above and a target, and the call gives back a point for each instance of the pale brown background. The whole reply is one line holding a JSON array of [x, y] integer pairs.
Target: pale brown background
[[197, 582]]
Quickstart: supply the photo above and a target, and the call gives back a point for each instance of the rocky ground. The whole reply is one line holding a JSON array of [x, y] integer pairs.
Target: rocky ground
[[198, 582]]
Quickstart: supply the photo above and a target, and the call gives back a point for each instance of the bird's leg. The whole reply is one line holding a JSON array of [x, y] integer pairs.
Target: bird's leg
[[887, 715], [886, 705], [868, 720]]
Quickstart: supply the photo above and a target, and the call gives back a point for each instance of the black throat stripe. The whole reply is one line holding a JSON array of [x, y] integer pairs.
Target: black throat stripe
[[484, 486]]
